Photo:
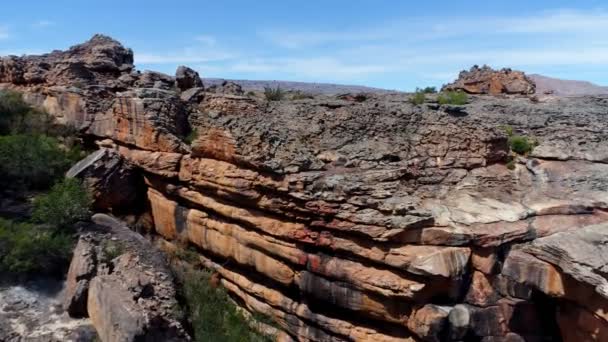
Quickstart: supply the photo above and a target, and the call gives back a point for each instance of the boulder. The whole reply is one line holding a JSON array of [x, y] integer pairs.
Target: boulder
[[486, 80], [82, 269], [128, 298], [186, 78], [114, 183]]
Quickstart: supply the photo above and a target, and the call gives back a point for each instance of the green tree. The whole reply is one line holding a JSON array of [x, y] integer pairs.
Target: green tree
[[65, 204], [27, 248]]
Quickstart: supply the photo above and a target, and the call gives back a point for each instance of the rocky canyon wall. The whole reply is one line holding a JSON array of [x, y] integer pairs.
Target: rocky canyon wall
[[359, 218]]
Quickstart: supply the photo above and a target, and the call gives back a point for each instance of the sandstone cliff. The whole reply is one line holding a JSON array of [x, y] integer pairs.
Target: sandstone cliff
[[361, 217]]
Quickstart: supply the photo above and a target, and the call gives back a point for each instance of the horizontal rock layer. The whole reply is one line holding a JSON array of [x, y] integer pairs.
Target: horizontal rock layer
[[366, 217]]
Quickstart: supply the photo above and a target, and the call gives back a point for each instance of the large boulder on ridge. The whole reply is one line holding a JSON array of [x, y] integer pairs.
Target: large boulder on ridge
[[98, 61], [486, 80]]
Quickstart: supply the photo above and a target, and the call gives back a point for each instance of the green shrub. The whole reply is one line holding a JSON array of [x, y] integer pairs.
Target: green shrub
[[418, 98], [508, 130], [111, 250], [453, 98], [65, 204], [191, 137], [250, 94], [427, 90], [511, 164], [212, 314], [12, 109], [32, 161], [274, 94], [26, 248], [521, 145]]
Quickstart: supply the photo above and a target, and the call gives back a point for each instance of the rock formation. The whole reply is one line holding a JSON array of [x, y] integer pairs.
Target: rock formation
[[485, 80], [373, 219], [126, 289]]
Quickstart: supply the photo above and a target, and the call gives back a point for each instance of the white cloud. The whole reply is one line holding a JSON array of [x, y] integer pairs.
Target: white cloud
[[206, 40], [43, 24], [4, 34], [561, 21]]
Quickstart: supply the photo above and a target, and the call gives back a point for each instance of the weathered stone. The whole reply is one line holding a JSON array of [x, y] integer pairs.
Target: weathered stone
[[581, 254], [488, 81], [112, 181], [459, 320], [186, 78], [429, 322], [356, 217], [82, 269], [577, 324]]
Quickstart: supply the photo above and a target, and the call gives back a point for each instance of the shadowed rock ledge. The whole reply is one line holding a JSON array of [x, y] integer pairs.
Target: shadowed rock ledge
[[358, 217]]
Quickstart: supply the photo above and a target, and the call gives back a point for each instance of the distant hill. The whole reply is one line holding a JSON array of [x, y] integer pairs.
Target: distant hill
[[315, 88], [543, 84], [566, 87]]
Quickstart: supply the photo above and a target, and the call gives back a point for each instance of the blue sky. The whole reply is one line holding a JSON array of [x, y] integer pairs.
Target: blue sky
[[388, 44]]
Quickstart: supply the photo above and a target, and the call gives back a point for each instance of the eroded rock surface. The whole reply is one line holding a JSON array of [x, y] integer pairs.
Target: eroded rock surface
[[123, 285], [486, 80], [367, 217]]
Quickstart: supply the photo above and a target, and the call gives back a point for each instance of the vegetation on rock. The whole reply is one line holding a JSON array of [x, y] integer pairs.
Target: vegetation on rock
[[33, 161], [189, 139], [34, 152], [418, 98], [65, 204], [427, 90], [453, 98], [274, 94], [518, 143], [214, 317], [28, 248]]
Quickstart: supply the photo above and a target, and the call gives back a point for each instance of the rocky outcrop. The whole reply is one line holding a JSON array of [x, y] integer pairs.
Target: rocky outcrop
[[486, 80], [112, 182], [186, 78], [100, 61], [123, 285], [368, 218]]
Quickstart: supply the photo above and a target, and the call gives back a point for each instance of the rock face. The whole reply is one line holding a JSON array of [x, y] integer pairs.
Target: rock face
[[369, 218], [123, 285], [186, 78], [485, 80], [111, 180]]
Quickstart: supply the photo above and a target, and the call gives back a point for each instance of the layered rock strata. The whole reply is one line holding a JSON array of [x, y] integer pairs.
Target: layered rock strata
[[369, 218]]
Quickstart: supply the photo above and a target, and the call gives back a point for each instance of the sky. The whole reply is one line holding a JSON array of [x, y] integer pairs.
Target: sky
[[388, 44]]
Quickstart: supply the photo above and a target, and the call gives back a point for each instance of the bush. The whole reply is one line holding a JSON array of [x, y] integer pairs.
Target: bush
[[26, 248], [520, 144], [213, 316], [274, 94], [67, 203], [111, 250], [427, 90], [453, 98], [508, 130], [12, 109], [33, 161], [418, 98], [188, 139]]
